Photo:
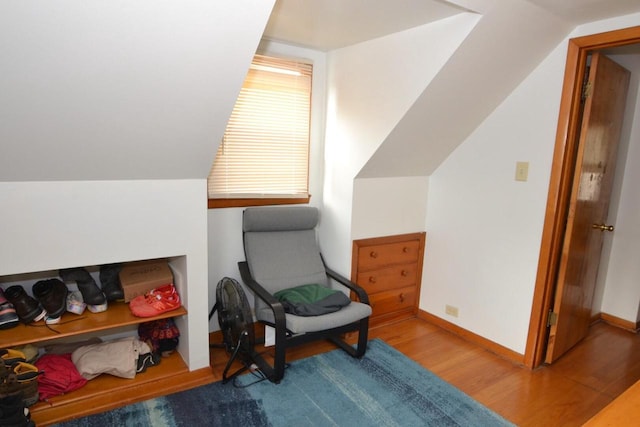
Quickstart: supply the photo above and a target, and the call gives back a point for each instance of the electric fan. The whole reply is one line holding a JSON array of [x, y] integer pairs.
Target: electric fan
[[236, 325]]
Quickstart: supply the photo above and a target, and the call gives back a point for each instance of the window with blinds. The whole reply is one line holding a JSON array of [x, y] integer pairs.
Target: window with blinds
[[264, 153]]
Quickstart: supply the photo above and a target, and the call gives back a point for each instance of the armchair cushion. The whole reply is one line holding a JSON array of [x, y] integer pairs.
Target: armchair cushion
[[302, 324], [281, 248], [269, 219], [311, 300]]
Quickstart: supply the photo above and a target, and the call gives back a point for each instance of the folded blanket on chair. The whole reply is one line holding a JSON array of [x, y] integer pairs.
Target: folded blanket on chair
[[311, 300]]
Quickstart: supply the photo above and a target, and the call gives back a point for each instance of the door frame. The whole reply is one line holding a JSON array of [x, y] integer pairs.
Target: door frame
[[562, 169]]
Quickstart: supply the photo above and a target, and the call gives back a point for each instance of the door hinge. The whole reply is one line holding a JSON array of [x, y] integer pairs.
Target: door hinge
[[552, 319], [586, 91]]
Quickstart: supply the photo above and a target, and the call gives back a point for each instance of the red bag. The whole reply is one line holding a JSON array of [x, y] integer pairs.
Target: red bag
[[60, 375]]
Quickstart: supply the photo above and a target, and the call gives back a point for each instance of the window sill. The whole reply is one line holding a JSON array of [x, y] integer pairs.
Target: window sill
[[240, 203]]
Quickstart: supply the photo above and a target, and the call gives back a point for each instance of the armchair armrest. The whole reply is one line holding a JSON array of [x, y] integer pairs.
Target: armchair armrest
[[264, 295], [276, 372], [357, 289]]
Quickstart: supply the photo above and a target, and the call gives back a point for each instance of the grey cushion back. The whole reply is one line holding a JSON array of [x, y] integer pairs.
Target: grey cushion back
[[280, 219], [281, 247]]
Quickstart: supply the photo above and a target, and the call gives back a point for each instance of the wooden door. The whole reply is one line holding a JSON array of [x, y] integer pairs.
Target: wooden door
[[605, 93]]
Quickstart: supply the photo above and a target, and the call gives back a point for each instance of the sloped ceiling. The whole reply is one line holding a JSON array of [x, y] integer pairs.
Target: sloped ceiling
[[508, 42], [94, 90], [512, 37], [112, 90]]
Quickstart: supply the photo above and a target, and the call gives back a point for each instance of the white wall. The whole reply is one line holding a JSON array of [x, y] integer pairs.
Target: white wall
[[371, 86], [389, 206], [484, 228], [54, 225]]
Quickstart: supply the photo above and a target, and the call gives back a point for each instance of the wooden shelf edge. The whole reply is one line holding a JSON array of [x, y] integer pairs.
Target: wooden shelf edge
[[117, 315], [106, 392]]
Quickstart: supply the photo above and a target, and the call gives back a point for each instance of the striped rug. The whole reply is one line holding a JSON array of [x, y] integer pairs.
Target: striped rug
[[384, 388]]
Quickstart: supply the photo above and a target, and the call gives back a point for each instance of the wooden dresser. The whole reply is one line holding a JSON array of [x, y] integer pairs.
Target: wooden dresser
[[389, 268]]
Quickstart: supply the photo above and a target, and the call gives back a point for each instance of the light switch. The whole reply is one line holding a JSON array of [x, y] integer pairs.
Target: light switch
[[522, 171]]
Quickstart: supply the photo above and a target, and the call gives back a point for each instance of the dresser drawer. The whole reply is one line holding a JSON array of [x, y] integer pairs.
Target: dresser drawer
[[377, 256], [389, 269], [397, 276], [394, 300]]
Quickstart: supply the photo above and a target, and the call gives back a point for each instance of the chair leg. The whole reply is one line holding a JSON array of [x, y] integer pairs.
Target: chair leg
[[280, 355], [363, 337]]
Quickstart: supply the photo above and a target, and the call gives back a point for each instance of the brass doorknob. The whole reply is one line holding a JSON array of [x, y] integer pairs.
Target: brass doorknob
[[603, 227]]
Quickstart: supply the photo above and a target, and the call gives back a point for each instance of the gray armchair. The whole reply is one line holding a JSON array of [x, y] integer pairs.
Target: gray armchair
[[281, 253]]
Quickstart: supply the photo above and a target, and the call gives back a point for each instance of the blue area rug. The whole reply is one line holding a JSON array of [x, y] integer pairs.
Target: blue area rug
[[384, 388]]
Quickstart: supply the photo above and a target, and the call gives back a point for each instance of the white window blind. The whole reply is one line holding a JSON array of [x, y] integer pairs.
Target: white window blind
[[265, 149]]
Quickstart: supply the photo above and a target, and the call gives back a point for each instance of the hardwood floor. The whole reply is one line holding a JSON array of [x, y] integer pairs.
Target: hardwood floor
[[567, 393]]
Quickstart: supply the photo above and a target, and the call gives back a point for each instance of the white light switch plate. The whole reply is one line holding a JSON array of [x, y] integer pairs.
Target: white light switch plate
[[522, 171]]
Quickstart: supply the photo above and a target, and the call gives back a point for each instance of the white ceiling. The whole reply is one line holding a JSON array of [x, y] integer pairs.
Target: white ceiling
[[331, 24], [581, 11]]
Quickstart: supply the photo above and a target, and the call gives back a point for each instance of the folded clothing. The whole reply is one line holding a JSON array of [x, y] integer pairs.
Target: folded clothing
[[311, 300], [118, 358], [59, 375]]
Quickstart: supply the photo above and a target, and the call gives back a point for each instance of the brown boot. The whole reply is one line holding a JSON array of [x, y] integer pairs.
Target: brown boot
[[11, 356], [22, 378]]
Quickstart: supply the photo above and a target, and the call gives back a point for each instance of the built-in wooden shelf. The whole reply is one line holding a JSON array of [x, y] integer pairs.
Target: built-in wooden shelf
[[104, 392], [107, 392], [117, 315]]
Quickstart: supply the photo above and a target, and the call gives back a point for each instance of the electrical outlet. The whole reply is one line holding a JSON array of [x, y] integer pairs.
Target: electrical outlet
[[451, 310]]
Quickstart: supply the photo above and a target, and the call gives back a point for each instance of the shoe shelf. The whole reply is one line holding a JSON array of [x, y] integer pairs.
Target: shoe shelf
[[107, 392], [117, 315]]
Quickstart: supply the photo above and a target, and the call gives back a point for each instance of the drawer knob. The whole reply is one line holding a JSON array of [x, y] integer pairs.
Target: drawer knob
[[401, 297], [405, 249], [404, 273], [373, 254], [372, 279]]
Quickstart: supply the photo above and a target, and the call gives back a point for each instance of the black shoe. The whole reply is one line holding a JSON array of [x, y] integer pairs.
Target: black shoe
[[12, 412], [91, 293], [52, 294], [146, 360], [110, 281], [28, 309]]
